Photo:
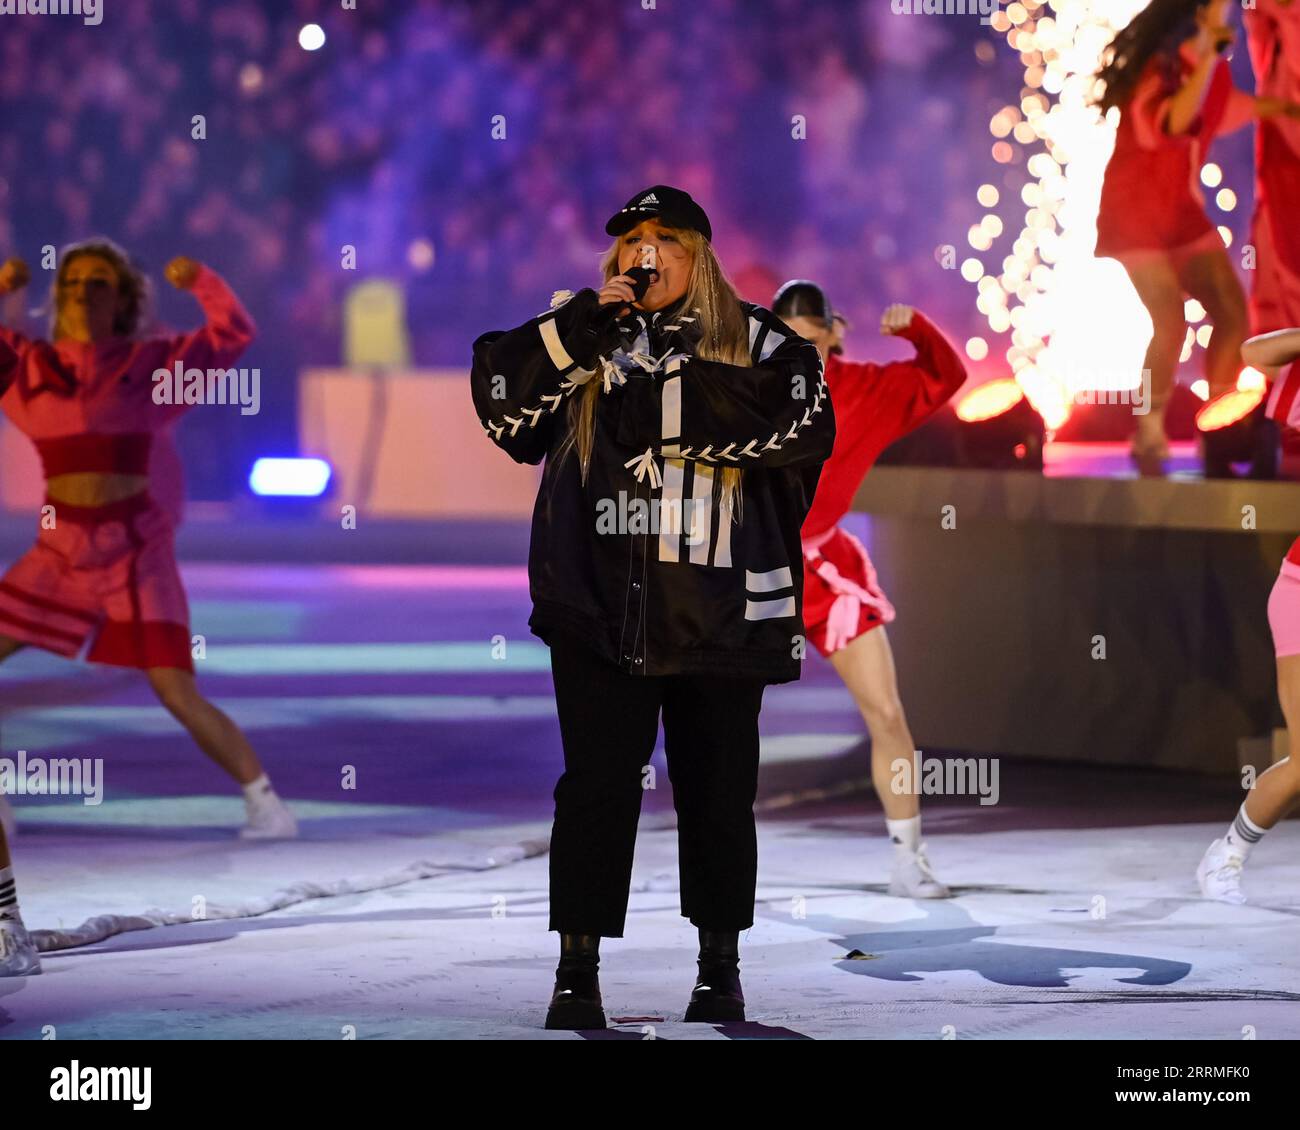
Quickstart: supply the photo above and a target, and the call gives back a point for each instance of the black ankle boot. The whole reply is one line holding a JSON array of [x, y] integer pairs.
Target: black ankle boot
[[576, 1003], [717, 997]]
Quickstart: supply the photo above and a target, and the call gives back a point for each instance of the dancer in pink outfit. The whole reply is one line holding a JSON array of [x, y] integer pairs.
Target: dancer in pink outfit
[[102, 575]]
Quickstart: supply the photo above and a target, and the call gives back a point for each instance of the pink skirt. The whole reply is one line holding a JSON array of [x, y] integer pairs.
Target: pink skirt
[[104, 576], [1284, 611]]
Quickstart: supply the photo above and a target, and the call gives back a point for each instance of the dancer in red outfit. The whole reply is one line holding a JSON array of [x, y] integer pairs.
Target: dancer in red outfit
[[1165, 74], [103, 572], [1273, 35], [843, 603]]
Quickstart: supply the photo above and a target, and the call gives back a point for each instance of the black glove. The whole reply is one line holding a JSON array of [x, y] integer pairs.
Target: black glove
[[592, 332]]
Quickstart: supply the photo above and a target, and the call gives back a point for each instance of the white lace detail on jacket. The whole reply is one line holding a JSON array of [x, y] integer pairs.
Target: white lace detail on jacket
[[774, 443]]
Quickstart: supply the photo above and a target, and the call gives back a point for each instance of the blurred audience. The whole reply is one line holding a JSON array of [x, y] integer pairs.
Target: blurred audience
[[382, 140]]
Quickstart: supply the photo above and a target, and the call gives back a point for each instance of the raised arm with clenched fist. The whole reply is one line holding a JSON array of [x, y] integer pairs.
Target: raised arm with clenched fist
[[14, 275], [182, 272]]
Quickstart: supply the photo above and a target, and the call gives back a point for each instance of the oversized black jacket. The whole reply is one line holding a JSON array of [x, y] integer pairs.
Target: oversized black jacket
[[638, 561]]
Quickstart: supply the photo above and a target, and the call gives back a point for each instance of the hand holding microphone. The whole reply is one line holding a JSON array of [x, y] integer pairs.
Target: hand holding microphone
[[600, 333], [630, 287], [1216, 40]]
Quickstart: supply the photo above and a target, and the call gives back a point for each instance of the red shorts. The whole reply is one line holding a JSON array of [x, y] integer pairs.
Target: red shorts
[[104, 574], [841, 597]]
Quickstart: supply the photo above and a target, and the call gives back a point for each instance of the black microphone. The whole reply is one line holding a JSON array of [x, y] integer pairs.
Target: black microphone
[[642, 276]]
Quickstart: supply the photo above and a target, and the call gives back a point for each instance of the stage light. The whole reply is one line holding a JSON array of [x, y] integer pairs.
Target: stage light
[[999, 429], [289, 478], [311, 37], [988, 401], [1232, 429], [1251, 379], [1228, 409]]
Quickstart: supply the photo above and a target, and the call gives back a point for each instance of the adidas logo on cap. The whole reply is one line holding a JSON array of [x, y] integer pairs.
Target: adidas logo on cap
[[650, 199]]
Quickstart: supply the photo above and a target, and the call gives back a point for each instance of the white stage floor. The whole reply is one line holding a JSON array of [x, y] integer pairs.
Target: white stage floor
[[1073, 934]]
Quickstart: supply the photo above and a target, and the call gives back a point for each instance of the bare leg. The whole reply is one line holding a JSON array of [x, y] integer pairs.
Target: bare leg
[[211, 729], [1161, 291], [867, 667], [1210, 279], [1278, 788]]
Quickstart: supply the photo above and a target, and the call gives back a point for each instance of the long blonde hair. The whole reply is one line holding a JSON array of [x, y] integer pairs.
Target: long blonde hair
[[724, 336]]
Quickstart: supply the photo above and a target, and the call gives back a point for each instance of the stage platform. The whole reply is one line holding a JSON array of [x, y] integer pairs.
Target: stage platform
[[1120, 620]]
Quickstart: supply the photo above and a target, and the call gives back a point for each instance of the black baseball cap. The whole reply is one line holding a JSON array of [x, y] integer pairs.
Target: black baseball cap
[[802, 298], [672, 206]]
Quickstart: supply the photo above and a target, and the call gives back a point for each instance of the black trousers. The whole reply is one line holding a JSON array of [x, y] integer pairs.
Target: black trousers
[[608, 722]]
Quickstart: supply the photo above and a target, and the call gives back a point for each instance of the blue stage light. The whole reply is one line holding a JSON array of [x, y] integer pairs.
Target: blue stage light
[[292, 478]]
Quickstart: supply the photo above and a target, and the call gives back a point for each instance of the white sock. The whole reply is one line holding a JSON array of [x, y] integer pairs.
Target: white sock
[[1243, 834], [259, 791], [8, 895], [905, 834]]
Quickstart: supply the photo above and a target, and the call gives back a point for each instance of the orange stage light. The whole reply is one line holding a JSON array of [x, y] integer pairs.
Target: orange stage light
[[1228, 408], [989, 400]]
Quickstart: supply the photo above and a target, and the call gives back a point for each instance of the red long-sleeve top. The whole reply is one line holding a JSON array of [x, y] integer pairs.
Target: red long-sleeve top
[[91, 406], [1273, 31], [876, 405]]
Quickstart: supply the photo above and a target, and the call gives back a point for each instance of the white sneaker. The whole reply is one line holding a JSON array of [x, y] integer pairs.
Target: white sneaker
[[913, 879], [7, 821], [1219, 874], [269, 819], [17, 951]]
